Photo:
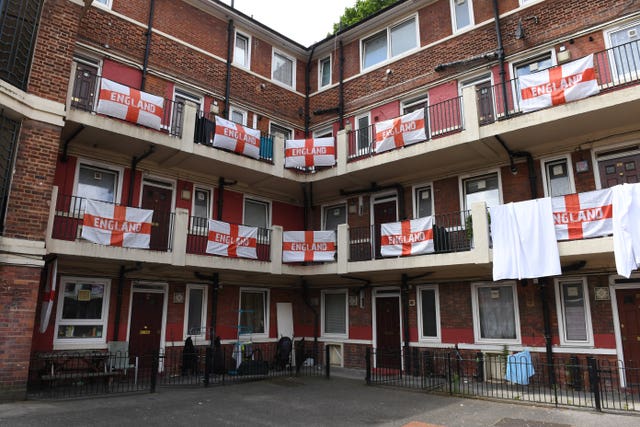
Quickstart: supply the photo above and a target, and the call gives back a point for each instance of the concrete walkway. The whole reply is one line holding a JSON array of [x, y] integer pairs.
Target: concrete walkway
[[297, 402]]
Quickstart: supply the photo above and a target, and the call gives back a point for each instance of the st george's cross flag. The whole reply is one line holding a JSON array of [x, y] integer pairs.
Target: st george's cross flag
[[232, 240], [237, 138], [410, 237], [401, 131], [113, 225], [49, 295], [308, 246], [130, 104], [306, 153], [558, 85], [583, 215]]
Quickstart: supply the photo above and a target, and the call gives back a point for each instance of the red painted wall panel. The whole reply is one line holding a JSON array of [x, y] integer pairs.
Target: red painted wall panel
[[121, 74]]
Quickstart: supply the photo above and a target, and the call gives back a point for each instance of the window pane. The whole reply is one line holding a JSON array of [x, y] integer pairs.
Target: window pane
[[363, 133], [325, 72], [482, 189], [626, 56], [335, 313], [414, 104], [534, 66], [335, 215], [282, 69], [80, 331], [429, 327], [277, 130], [252, 313], [423, 202], [97, 184], [82, 301], [239, 117], [375, 50], [497, 312], [558, 182], [255, 213], [574, 312], [194, 322], [463, 13], [201, 203], [241, 52], [403, 37]]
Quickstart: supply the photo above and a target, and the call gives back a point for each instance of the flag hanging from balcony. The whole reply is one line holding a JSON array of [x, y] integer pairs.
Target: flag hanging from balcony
[[113, 225], [308, 246], [49, 295], [130, 104], [401, 131], [306, 153], [411, 237], [583, 215], [558, 85], [237, 138], [232, 240]]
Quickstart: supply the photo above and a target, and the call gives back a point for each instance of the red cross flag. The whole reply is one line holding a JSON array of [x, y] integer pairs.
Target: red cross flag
[[237, 138], [558, 85], [113, 225], [403, 130], [583, 215], [232, 240], [49, 295], [130, 104], [411, 237], [305, 153], [308, 246]]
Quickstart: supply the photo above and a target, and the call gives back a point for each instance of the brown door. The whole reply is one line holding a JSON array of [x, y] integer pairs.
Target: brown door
[[85, 86], [158, 199], [382, 213], [619, 170], [146, 326], [485, 102], [388, 332], [629, 314]]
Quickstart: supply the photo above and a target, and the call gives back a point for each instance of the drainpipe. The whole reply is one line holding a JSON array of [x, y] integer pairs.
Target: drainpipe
[[134, 164], [503, 78], [307, 101], [227, 90], [121, 277], [533, 179], [147, 47], [341, 87]]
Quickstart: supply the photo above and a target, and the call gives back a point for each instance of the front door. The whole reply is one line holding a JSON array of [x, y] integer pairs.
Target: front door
[[84, 88], [145, 330], [619, 170], [160, 200], [485, 102], [629, 314], [388, 332], [383, 212]]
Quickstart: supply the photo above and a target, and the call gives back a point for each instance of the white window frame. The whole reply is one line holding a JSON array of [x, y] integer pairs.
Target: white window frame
[[528, 60], [196, 187], [389, 57], [464, 178], [110, 168], [414, 190], [275, 52], [203, 315], [251, 334], [334, 205], [421, 336], [545, 178], [244, 113], [107, 4], [291, 130], [454, 24], [323, 132], [256, 200], [81, 343], [190, 96], [369, 130], [345, 292], [320, 74], [477, 332], [608, 45], [248, 53], [422, 99], [561, 315]]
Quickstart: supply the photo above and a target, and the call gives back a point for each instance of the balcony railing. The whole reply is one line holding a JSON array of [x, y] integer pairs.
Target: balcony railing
[[67, 224], [452, 232], [441, 119], [206, 129], [198, 234], [615, 67], [86, 90]]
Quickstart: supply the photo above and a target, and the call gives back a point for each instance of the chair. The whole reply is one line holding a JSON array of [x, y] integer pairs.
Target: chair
[[119, 359]]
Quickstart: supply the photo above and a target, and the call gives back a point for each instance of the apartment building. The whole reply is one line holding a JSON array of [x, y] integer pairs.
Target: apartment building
[[124, 105]]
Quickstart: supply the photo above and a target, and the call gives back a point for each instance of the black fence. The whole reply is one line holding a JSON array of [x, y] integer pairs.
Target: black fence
[[576, 381]]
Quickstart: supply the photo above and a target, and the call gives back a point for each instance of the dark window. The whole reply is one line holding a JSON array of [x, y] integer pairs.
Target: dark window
[[9, 130]]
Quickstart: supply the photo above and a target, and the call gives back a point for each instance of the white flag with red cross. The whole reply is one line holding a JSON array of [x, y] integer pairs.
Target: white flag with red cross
[[410, 237], [401, 131], [49, 295], [132, 105], [113, 225], [308, 246], [583, 215], [306, 153], [232, 240], [558, 85], [237, 138]]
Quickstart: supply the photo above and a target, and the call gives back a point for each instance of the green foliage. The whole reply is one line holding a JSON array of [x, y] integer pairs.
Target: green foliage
[[361, 10]]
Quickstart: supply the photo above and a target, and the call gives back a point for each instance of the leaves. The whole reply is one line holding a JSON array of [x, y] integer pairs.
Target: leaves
[[361, 10]]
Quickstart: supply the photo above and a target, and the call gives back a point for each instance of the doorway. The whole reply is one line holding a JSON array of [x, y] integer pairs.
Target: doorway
[[388, 342], [146, 321], [619, 167], [158, 196], [385, 209], [628, 308], [85, 86]]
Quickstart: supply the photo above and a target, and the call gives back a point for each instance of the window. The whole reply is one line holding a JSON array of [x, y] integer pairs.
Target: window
[[195, 312], [363, 134], [201, 209], [324, 72], [334, 215], [97, 183], [462, 14], [422, 201], [334, 313], [557, 177], [281, 131], [256, 213], [253, 318], [241, 53], [283, 69], [414, 104], [495, 310], [83, 307], [180, 97], [534, 65], [238, 116], [326, 132], [574, 319], [428, 313], [103, 3], [481, 189], [389, 43], [625, 54]]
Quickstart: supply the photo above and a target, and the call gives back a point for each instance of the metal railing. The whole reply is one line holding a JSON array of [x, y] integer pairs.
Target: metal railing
[[573, 381], [9, 131], [198, 235], [67, 223], [441, 119]]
